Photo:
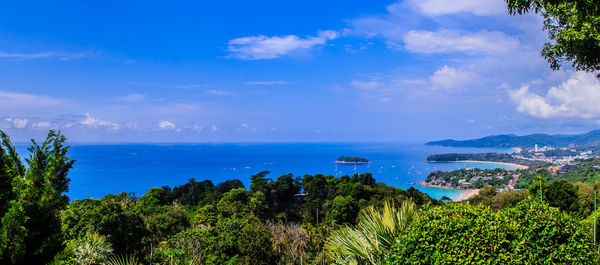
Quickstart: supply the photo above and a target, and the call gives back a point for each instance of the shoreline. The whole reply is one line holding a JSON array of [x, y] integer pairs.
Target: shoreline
[[465, 195], [518, 166], [468, 194]]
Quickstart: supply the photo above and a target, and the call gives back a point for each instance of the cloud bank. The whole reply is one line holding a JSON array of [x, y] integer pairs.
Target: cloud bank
[[577, 97]]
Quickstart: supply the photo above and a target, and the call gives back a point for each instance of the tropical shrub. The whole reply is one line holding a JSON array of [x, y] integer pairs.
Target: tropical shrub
[[530, 233], [371, 240], [92, 249]]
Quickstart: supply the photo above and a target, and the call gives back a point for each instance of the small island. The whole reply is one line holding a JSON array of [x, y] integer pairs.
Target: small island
[[351, 160]]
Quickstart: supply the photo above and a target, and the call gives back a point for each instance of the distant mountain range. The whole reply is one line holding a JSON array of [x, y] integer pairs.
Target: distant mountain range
[[526, 141]]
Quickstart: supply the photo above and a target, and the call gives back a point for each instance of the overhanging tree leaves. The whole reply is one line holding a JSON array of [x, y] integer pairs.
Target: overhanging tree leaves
[[573, 28]]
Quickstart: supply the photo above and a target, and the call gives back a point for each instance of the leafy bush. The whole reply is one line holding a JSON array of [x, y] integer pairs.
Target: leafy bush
[[530, 233]]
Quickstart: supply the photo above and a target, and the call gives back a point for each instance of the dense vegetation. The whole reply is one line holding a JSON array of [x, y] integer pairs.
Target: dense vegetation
[[492, 157], [280, 221], [477, 178], [288, 220], [588, 171], [573, 28], [529, 233], [526, 141], [352, 159]]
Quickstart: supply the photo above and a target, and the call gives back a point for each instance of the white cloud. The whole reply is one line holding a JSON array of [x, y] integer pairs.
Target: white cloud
[[263, 47], [267, 83], [218, 92], [214, 128], [453, 41], [365, 85], [576, 97], [98, 123], [11, 101], [26, 55], [443, 7], [451, 79], [41, 125], [17, 123], [380, 89], [166, 125], [133, 98], [245, 125], [194, 127], [63, 56]]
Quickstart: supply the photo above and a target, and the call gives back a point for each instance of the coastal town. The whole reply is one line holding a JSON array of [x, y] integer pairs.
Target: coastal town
[[576, 163]]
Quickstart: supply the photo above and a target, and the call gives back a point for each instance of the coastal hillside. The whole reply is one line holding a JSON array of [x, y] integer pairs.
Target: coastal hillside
[[526, 141]]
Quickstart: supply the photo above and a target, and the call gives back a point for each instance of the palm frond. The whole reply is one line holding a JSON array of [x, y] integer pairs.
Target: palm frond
[[123, 260], [374, 235]]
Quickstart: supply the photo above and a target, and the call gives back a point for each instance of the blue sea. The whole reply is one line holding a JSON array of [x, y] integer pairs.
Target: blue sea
[[111, 168]]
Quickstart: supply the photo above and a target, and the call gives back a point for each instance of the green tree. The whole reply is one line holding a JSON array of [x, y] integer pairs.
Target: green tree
[[154, 201], [573, 28], [207, 215], [230, 185], [563, 195], [169, 222], [259, 182], [238, 239], [342, 210], [234, 201], [110, 216], [37, 200]]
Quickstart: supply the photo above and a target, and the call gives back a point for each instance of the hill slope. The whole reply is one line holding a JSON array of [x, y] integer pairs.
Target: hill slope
[[526, 141]]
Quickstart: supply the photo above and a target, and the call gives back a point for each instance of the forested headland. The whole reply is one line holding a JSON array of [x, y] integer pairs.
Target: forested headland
[[487, 157]]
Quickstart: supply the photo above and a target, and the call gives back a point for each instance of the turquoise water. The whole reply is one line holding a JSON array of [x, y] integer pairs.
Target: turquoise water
[[111, 168]]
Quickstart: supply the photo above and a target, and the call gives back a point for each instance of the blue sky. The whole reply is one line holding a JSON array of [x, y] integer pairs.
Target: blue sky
[[235, 71]]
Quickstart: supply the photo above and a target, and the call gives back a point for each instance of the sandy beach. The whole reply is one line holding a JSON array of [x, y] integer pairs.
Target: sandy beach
[[483, 162], [466, 194]]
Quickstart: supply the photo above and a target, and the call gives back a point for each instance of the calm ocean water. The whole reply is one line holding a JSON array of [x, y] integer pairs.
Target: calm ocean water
[[110, 168]]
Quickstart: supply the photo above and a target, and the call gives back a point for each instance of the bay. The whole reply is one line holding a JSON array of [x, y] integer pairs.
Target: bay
[[111, 168]]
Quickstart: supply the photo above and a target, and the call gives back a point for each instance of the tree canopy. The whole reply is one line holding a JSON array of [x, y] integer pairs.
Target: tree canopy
[[573, 28]]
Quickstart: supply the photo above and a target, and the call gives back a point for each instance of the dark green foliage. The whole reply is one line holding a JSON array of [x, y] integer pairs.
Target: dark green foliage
[[230, 185], [239, 239], [195, 193], [528, 177], [35, 196], [498, 200], [530, 233], [171, 221], [559, 193], [491, 157], [587, 172], [13, 234], [352, 159], [207, 215], [477, 178], [563, 195], [259, 182], [235, 201], [112, 216], [343, 210], [573, 28], [154, 201]]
